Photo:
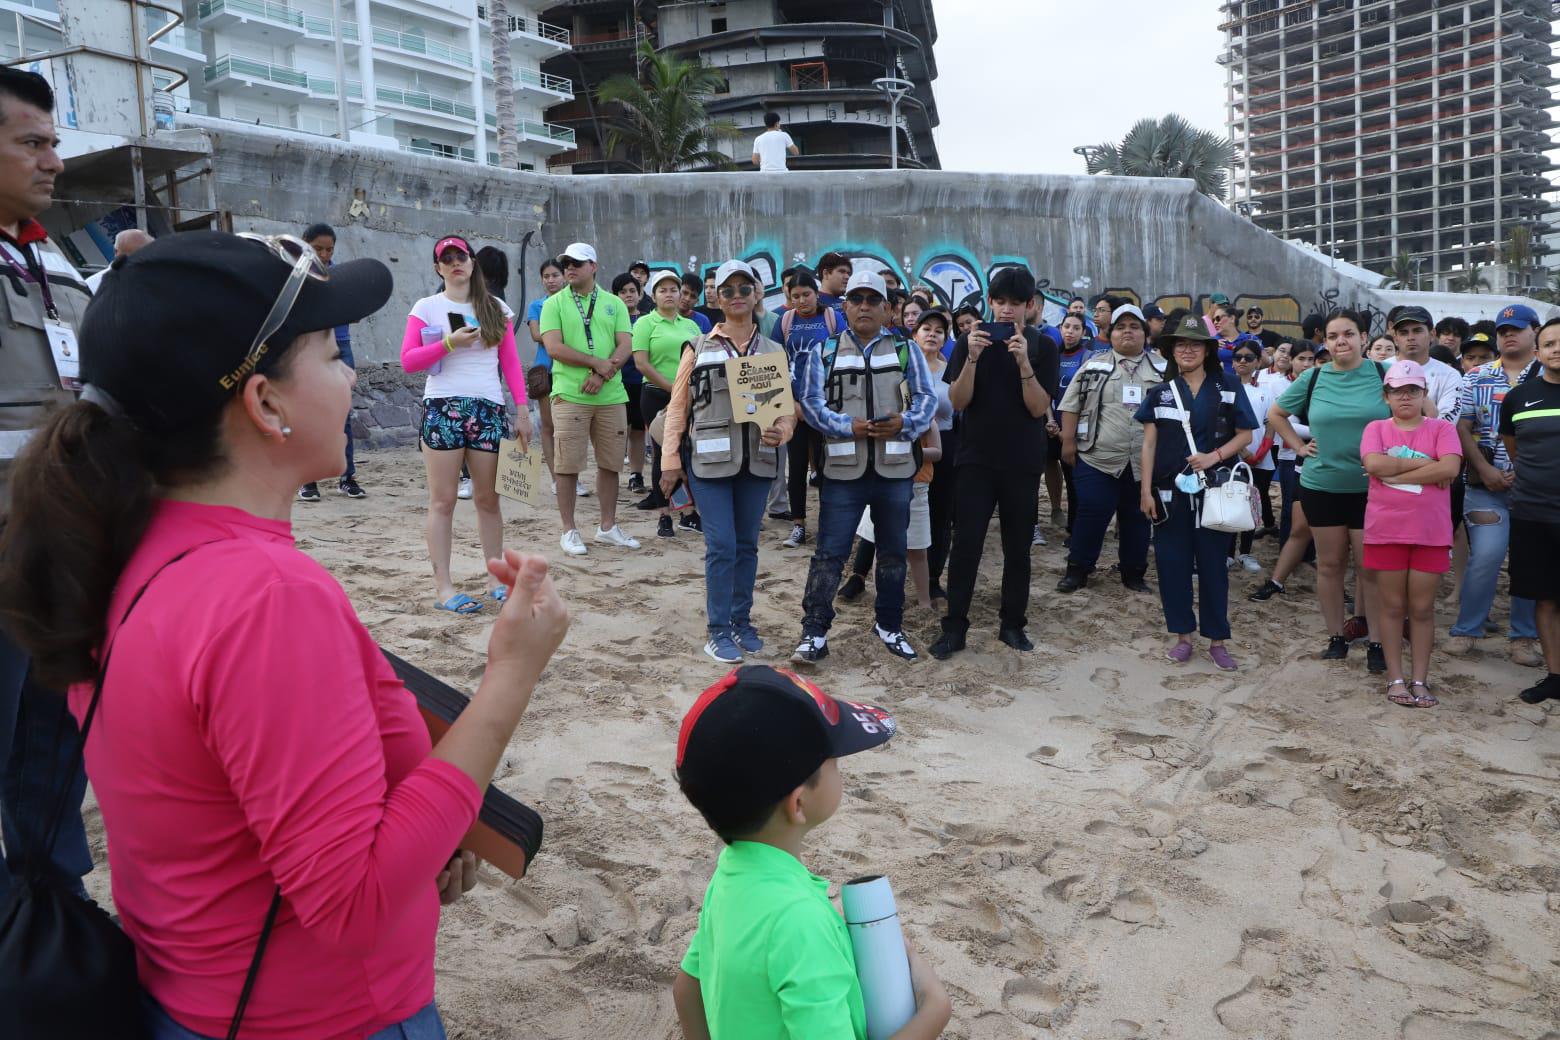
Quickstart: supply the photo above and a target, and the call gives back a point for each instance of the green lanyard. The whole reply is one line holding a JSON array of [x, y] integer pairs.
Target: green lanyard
[[586, 316]]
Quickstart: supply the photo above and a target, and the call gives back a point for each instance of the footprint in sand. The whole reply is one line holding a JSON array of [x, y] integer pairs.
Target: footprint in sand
[[1158, 747], [1135, 906], [1422, 1025], [1107, 679], [1038, 1003]]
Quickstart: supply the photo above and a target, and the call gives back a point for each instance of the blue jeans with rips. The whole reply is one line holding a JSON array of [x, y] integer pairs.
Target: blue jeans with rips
[[1487, 544]]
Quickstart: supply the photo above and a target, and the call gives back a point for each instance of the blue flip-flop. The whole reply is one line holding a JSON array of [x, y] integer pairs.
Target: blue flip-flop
[[460, 603], [499, 594]]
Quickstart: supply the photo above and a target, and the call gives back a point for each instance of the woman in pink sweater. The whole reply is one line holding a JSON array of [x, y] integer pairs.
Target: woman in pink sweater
[[249, 740]]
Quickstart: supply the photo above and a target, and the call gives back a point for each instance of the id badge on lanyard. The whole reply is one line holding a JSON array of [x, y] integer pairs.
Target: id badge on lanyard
[[66, 351]]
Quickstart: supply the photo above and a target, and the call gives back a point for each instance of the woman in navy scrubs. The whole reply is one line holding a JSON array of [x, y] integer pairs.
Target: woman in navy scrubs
[[1173, 475]]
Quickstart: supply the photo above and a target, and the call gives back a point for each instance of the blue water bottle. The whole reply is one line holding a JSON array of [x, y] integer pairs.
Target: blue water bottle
[[882, 964]]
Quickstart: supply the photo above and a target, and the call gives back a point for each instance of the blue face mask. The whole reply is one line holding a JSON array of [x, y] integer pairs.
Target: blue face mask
[[1190, 483]]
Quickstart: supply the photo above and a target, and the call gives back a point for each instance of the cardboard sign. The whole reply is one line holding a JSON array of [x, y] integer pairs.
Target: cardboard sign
[[520, 471], [760, 386]]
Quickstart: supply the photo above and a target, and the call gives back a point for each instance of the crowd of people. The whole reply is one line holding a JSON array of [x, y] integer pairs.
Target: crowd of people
[[148, 570]]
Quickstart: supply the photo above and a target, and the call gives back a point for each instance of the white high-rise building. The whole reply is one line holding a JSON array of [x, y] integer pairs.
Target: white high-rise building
[[417, 74]]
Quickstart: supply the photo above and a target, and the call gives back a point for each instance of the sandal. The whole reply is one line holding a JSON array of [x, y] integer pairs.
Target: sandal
[[1424, 699], [1408, 698], [499, 594], [460, 603]]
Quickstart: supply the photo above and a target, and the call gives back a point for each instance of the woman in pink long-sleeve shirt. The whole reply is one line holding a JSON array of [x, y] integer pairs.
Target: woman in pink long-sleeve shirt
[[464, 338], [250, 737]]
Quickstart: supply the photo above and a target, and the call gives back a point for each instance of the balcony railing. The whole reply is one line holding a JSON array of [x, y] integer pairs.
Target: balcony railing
[[545, 30], [426, 102], [544, 81], [422, 45], [462, 154], [248, 67], [271, 12], [561, 134]]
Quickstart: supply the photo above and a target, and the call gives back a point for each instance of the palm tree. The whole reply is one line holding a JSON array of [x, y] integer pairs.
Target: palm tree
[[663, 120], [503, 86], [1400, 275], [1473, 279], [1168, 147]]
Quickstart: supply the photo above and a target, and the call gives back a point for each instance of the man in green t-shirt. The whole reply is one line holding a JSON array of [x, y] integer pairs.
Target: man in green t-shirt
[[587, 334], [757, 755]]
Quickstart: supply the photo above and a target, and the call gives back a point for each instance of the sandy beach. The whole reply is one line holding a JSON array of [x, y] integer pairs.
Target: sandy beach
[[1086, 841]]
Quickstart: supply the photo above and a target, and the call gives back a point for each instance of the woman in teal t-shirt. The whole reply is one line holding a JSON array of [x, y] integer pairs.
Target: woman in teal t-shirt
[[1337, 400]]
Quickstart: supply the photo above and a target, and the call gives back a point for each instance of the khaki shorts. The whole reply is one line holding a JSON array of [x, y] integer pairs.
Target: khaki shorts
[[603, 427]]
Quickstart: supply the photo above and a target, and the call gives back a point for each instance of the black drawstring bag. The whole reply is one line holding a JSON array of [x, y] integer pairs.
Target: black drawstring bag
[[67, 972]]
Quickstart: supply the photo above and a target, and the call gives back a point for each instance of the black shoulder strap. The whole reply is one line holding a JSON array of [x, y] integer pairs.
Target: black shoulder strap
[[254, 965], [1304, 414]]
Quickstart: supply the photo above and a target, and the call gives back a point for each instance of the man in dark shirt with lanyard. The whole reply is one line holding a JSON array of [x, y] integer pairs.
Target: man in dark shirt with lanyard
[[43, 298]]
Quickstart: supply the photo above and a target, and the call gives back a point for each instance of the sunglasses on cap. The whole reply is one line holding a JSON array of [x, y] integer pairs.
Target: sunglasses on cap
[[729, 292], [306, 264], [863, 297]]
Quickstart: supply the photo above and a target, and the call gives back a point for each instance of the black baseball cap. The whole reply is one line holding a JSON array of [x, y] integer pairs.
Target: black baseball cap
[[172, 325], [936, 314], [1152, 311], [1406, 313], [758, 734]]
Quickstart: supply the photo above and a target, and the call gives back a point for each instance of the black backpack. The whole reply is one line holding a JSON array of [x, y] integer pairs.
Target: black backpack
[[67, 971]]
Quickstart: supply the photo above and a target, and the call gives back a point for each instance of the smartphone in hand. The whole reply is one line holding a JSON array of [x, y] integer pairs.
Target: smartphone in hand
[[999, 331], [457, 321]]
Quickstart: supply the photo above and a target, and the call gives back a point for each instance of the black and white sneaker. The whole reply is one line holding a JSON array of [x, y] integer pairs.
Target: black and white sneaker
[[796, 538], [636, 483], [810, 650], [896, 642], [691, 522], [663, 528], [309, 493], [349, 487]]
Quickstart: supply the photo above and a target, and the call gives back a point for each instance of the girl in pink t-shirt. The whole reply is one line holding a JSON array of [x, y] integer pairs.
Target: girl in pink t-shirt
[[1412, 461]]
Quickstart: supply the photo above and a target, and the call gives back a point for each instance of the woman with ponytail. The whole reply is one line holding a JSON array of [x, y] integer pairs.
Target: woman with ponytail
[[464, 338], [252, 752]]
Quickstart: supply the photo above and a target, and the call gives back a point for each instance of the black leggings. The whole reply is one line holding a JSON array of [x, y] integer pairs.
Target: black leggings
[[652, 401], [799, 456]]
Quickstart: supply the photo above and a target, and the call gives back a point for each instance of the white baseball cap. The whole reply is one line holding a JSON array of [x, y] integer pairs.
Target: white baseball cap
[[580, 251], [1126, 309], [665, 274], [867, 280], [731, 268]]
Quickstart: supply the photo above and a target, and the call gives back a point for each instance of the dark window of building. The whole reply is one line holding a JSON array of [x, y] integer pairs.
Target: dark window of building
[[717, 25]]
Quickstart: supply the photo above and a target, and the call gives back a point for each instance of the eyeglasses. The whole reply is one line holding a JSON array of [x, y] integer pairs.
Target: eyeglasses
[[731, 292], [306, 265], [1248, 358], [863, 299], [1405, 391]]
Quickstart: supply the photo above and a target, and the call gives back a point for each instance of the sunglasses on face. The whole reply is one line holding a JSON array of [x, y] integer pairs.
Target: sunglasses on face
[[1248, 358], [864, 299], [454, 256], [729, 292], [569, 262]]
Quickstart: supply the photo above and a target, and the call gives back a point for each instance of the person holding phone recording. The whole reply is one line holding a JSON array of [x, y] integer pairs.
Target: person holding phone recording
[[1003, 377], [464, 338]]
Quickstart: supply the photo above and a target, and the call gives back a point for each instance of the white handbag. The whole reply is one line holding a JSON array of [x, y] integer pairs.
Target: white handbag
[[1232, 507]]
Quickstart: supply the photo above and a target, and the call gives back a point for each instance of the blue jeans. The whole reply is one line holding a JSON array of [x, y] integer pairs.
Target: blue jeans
[[1289, 494], [1486, 555], [38, 739], [425, 1025], [1180, 546], [732, 509], [1101, 496], [345, 347], [840, 504]]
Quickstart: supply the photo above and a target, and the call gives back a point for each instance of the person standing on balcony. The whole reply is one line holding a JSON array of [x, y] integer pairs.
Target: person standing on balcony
[[772, 146]]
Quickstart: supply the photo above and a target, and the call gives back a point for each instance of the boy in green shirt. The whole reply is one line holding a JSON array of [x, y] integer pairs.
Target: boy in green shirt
[[771, 959]]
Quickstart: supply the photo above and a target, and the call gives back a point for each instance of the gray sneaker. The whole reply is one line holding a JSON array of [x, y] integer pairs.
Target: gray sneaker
[[721, 647]]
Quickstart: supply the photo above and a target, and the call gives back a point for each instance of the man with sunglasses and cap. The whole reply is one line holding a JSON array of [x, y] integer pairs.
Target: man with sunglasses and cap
[[588, 334], [42, 301], [1269, 338], [870, 397]]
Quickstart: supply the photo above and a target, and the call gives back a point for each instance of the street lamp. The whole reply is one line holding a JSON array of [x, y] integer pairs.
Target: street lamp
[[1087, 151], [895, 88]]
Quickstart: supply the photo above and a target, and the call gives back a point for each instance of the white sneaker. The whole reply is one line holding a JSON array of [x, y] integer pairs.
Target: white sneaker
[[465, 488], [1039, 539], [1249, 562], [581, 491], [615, 536], [572, 543]]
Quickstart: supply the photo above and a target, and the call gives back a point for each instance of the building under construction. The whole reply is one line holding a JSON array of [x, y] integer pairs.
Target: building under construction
[[1380, 129]]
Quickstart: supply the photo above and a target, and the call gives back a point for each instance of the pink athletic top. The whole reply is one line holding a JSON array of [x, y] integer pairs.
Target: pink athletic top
[[251, 734]]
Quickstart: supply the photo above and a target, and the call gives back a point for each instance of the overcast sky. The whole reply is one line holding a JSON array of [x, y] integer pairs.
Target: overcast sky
[[1086, 71]]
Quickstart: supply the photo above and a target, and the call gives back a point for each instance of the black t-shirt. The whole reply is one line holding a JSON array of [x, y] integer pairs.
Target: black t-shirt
[[996, 429], [1531, 414], [1269, 338]]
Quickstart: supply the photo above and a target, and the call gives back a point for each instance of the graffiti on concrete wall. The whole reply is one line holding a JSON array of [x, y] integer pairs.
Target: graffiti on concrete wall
[[957, 277]]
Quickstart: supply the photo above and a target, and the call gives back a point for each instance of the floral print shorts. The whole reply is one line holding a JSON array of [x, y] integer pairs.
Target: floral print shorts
[[453, 423]]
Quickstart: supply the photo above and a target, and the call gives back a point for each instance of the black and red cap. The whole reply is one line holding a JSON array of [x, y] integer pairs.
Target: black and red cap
[[759, 733]]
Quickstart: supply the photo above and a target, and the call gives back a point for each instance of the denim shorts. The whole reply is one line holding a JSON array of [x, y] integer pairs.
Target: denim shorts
[[453, 423], [424, 1025]]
